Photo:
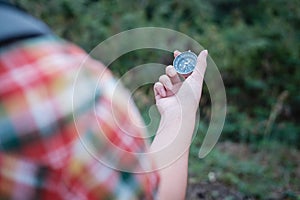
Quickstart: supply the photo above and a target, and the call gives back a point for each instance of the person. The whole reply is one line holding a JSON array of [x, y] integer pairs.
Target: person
[[41, 151]]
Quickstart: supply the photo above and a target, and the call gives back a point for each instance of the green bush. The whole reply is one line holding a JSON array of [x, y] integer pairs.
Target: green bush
[[254, 43]]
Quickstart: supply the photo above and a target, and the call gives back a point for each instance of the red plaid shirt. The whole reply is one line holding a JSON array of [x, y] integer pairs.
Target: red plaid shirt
[[54, 146]]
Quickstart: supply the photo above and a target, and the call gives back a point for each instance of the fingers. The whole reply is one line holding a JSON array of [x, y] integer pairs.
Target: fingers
[[166, 82], [176, 53], [201, 65], [159, 91], [171, 72], [165, 86]]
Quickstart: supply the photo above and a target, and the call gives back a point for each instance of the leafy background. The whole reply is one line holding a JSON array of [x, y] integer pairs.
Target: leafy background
[[255, 44]]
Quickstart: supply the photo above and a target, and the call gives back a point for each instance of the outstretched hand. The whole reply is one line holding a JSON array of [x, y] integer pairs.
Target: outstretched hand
[[175, 98], [172, 95]]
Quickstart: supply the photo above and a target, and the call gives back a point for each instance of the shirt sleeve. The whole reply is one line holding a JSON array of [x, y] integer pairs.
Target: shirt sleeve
[[68, 129]]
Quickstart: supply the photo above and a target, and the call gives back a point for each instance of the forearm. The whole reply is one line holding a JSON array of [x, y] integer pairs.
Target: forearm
[[172, 143]]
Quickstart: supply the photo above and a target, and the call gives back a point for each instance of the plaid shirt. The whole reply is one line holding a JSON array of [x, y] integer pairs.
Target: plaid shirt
[[53, 146]]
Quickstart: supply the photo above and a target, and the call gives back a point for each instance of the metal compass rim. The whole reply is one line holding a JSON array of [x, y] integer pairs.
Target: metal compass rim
[[184, 56]]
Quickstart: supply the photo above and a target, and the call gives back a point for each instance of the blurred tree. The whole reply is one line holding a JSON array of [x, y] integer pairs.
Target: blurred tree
[[255, 44]]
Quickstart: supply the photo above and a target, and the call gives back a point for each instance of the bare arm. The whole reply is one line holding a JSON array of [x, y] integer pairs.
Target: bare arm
[[177, 102]]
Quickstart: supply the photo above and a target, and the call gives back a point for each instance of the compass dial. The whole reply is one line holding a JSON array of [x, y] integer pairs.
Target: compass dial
[[185, 62]]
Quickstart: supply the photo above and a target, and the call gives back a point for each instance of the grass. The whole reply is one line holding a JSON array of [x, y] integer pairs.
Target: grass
[[268, 170]]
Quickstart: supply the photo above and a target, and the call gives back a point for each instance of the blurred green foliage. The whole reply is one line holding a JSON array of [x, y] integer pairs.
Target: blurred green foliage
[[255, 44]]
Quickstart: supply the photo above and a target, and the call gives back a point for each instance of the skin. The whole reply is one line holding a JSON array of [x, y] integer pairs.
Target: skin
[[177, 102]]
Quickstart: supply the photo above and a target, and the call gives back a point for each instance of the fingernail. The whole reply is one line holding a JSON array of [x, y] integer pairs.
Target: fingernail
[[205, 52]]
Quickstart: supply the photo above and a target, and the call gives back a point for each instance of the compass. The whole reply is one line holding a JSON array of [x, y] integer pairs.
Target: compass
[[185, 62]]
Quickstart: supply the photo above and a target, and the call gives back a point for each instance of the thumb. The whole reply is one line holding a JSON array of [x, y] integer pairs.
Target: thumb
[[199, 71]]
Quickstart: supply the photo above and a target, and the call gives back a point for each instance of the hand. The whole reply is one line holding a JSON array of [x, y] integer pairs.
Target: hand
[[176, 98], [172, 95]]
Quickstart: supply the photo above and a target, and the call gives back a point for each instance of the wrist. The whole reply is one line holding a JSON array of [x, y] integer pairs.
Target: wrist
[[174, 135], [178, 122], [178, 115]]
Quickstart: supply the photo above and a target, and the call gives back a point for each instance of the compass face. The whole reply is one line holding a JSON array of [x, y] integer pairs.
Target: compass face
[[185, 62]]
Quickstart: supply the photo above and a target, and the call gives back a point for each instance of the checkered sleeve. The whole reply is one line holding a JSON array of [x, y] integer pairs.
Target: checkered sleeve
[[68, 129]]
